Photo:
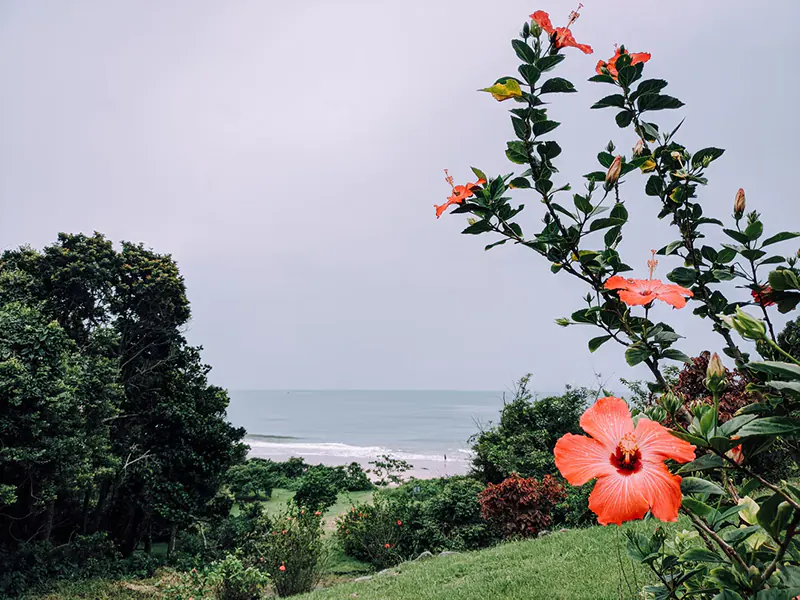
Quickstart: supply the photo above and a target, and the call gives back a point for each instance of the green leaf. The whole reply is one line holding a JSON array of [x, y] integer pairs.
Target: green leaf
[[767, 513], [649, 86], [709, 154], [683, 276], [754, 230], [557, 85], [543, 127], [734, 536], [524, 51], [702, 555], [504, 89], [521, 183], [695, 485], [624, 118], [676, 355], [704, 463], [726, 255], [657, 102], [500, 243], [727, 595], [736, 235], [548, 62], [780, 237], [516, 153], [529, 73], [614, 100], [479, 174], [549, 149], [701, 509], [780, 369], [655, 186], [636, 354], [478, 227], [602, 79], [595, 343], [770, 426], [605, 159], [599, 224], [627, 75]]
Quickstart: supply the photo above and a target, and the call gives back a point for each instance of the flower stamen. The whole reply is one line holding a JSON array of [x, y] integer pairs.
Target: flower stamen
[[652, 263]]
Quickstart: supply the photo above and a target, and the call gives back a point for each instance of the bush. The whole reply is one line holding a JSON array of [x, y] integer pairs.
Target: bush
[[522, 507], [523, 441], [420, 515], [356, 479], [317, 490], [231, 579], [293, 551]]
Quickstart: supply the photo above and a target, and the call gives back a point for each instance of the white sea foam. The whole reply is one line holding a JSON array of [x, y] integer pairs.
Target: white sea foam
[[259, 447]]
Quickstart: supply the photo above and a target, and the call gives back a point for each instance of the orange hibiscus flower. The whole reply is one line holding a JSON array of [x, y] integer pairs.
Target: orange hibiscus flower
[[639, 292], [561, 36], [610, 67], [627, 462], [460, 193], [762, 296]]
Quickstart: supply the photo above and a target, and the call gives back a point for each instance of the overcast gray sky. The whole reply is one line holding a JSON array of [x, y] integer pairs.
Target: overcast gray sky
[[289, 154]]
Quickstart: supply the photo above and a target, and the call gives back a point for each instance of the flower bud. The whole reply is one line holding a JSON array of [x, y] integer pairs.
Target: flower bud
[[671, 402], [748, 327], [638, 148], [739, 204], [715, 374], [614, 171], [656, 413]]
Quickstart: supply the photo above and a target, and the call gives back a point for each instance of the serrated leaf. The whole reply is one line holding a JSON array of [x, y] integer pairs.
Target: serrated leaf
[[478, 227], [654, 186], [524, 51], [754, 230], [529, 73], [543, 127], [736, 235]]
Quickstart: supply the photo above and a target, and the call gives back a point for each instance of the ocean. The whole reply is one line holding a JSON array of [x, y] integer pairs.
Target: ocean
[[429, 429]]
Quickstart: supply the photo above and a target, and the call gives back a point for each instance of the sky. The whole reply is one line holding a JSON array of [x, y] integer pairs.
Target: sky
[[289, 154]]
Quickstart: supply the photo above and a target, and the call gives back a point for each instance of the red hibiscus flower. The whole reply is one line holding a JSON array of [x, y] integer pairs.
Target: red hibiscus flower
[[561, 36], [610, 67], [627, 462], [460, 193], [762, 296]]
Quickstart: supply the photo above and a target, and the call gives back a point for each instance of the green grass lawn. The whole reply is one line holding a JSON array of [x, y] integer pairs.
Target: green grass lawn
[[345, 500], [575, 565]]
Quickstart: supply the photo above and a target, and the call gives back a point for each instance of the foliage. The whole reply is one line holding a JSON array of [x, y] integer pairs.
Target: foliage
[[231, 579], [293, 552], [388, 469], [356, 479], [521, 507], [251, 480], [316, 490], [522, 441], [373, 533], [108, 422], [747, 523]]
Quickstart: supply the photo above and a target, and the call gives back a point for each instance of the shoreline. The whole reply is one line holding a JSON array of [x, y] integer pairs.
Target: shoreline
[[422, 468]]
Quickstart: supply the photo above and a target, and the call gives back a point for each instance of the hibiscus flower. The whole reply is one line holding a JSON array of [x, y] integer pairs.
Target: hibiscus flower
[[627, 461], [762, 296], [640, 292], [460, 193], [561, 36], [610, 67]]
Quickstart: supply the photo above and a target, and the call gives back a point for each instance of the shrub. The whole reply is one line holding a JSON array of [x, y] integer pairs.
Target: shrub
[[523, 441], [522, 507], [317, 490], [356, 479], [373, 533], [231, 579], [293, 551], [388, 469]]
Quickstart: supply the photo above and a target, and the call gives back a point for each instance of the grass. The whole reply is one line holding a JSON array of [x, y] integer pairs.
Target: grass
[[581, 564], [575, 565]]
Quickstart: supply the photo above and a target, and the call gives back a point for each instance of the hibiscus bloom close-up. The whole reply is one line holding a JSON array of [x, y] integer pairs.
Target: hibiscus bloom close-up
[[640, 292], [561, 36], [610, 67], [626, 461], [460, 193]]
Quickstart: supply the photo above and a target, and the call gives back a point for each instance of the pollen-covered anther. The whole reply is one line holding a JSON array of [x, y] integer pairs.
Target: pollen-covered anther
[[627, 449]]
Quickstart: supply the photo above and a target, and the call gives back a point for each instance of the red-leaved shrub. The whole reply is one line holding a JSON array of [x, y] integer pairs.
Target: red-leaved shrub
[[521, 507], [691, 387]]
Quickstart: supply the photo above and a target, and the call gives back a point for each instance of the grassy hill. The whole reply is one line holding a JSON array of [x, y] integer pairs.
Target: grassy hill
[[576, 565]]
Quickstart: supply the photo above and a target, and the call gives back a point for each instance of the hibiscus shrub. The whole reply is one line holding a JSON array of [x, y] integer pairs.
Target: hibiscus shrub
[[705, 461], [522, 507]]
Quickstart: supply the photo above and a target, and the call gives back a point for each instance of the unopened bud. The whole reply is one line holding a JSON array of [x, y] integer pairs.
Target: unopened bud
[[536, 31], [614, 171], [746, 326], [656, 413], [676, 155], [715, 374], [739, 204], [671, 402], [638, 148]]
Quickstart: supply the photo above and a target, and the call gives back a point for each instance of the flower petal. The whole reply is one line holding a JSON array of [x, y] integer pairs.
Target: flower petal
[[616, 282], [660, 488], [607, 420], [581, 459], [616, 499], [542, 19], [657, 444], [635, 298], [672, 298]]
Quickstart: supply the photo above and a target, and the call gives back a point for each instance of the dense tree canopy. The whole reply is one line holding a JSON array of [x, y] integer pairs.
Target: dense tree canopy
[[107, 420]]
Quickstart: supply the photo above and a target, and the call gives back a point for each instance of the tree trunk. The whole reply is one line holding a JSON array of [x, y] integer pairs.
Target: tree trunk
[[148, 543], [87, 496], [173, 536], [48, 524]]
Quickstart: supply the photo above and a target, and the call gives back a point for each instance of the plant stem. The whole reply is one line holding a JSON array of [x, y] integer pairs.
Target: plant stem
[[724, 546]]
